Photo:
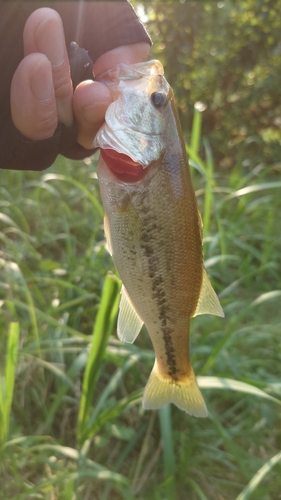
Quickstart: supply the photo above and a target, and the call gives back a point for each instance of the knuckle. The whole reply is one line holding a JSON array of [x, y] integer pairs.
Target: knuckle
[[62, 86]]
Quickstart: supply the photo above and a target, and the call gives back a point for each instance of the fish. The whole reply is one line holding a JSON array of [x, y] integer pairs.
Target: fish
[[153, 229]]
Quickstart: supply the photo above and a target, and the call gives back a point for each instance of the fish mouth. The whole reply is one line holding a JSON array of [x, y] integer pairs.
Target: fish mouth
[[122, 166]]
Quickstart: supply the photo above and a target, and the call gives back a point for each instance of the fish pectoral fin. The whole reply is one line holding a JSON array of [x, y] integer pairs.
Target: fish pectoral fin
[[208, 302], [107, 235], [185, 394], [129, 323]]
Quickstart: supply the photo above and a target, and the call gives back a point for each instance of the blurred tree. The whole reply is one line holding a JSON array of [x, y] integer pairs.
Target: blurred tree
[[227, 55]]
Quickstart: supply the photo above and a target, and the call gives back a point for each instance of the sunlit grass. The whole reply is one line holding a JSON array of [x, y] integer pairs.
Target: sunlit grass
[[7, 381], [76, 427]]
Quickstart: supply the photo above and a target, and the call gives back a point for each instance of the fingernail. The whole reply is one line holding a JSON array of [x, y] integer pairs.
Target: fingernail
[[41, 81], [50, 40]]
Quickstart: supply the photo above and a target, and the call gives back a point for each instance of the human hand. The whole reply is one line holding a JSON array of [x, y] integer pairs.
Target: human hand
[[41, 90], [91, 99]]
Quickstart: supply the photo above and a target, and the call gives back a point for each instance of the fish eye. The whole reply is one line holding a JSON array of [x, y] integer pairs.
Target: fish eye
[[158, 99]]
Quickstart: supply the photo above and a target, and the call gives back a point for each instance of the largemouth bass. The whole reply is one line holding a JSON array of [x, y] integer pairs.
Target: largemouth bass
[[153, 229]]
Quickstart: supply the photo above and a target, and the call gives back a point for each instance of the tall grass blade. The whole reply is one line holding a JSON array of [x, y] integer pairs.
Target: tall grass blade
[[128, 448], [145, 450], [258, 477], [266, 296], [231, 446], [104, 327], [195, 161], [111, 386], [67, 452], [111, 413], [68, 491], [168, 450], [90, 469], [197, 489], [14, 268], [208, 188], [47, 317], [196, 128], [82, 475], [7, 385], [79, 185], [234, 385], [192, 149], [206, 168], [76, 367], [253, 189]]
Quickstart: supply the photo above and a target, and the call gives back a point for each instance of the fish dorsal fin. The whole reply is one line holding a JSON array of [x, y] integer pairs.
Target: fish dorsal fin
[[129, 323], [107, 235], [208, 302]]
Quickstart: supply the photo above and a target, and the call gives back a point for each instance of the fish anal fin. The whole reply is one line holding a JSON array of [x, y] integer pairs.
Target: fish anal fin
[[129, 323], [208, 302], [185, 394], [107, 235]]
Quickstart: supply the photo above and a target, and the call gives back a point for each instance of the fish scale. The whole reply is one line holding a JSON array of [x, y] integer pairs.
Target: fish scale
[[154, 232]]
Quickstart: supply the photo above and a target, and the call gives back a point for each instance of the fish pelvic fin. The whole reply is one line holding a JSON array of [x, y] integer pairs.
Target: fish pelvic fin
[[208, 302], [129, 323], [185, 394]]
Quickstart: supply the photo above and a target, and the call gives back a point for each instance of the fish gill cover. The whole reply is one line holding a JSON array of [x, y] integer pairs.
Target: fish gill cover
[[133, 124]]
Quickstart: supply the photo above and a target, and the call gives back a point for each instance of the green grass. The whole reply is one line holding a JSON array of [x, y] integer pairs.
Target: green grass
[[8, 381], [76, 428]]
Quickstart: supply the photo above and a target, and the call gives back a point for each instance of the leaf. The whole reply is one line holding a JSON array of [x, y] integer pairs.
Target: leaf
[[79, 185], [253, 189], [166, 427], [101, 472], [7, 385], [115, 410], [258, 477], [266, 296], [234, 385], [104, 325]]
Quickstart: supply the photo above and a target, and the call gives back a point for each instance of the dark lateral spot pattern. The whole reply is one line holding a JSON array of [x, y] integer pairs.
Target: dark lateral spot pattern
[[159, 292]]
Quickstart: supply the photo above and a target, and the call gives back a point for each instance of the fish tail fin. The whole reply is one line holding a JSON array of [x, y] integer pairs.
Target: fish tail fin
[[185, 394]]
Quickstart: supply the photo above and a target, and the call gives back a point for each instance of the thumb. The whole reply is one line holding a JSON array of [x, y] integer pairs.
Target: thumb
[[33, 105]]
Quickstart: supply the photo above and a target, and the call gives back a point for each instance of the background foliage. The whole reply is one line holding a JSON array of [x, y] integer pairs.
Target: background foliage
[[76, 429], [228, 56]]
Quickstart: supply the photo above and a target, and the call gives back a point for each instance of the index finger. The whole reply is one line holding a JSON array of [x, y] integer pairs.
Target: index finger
[[44, 33]]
